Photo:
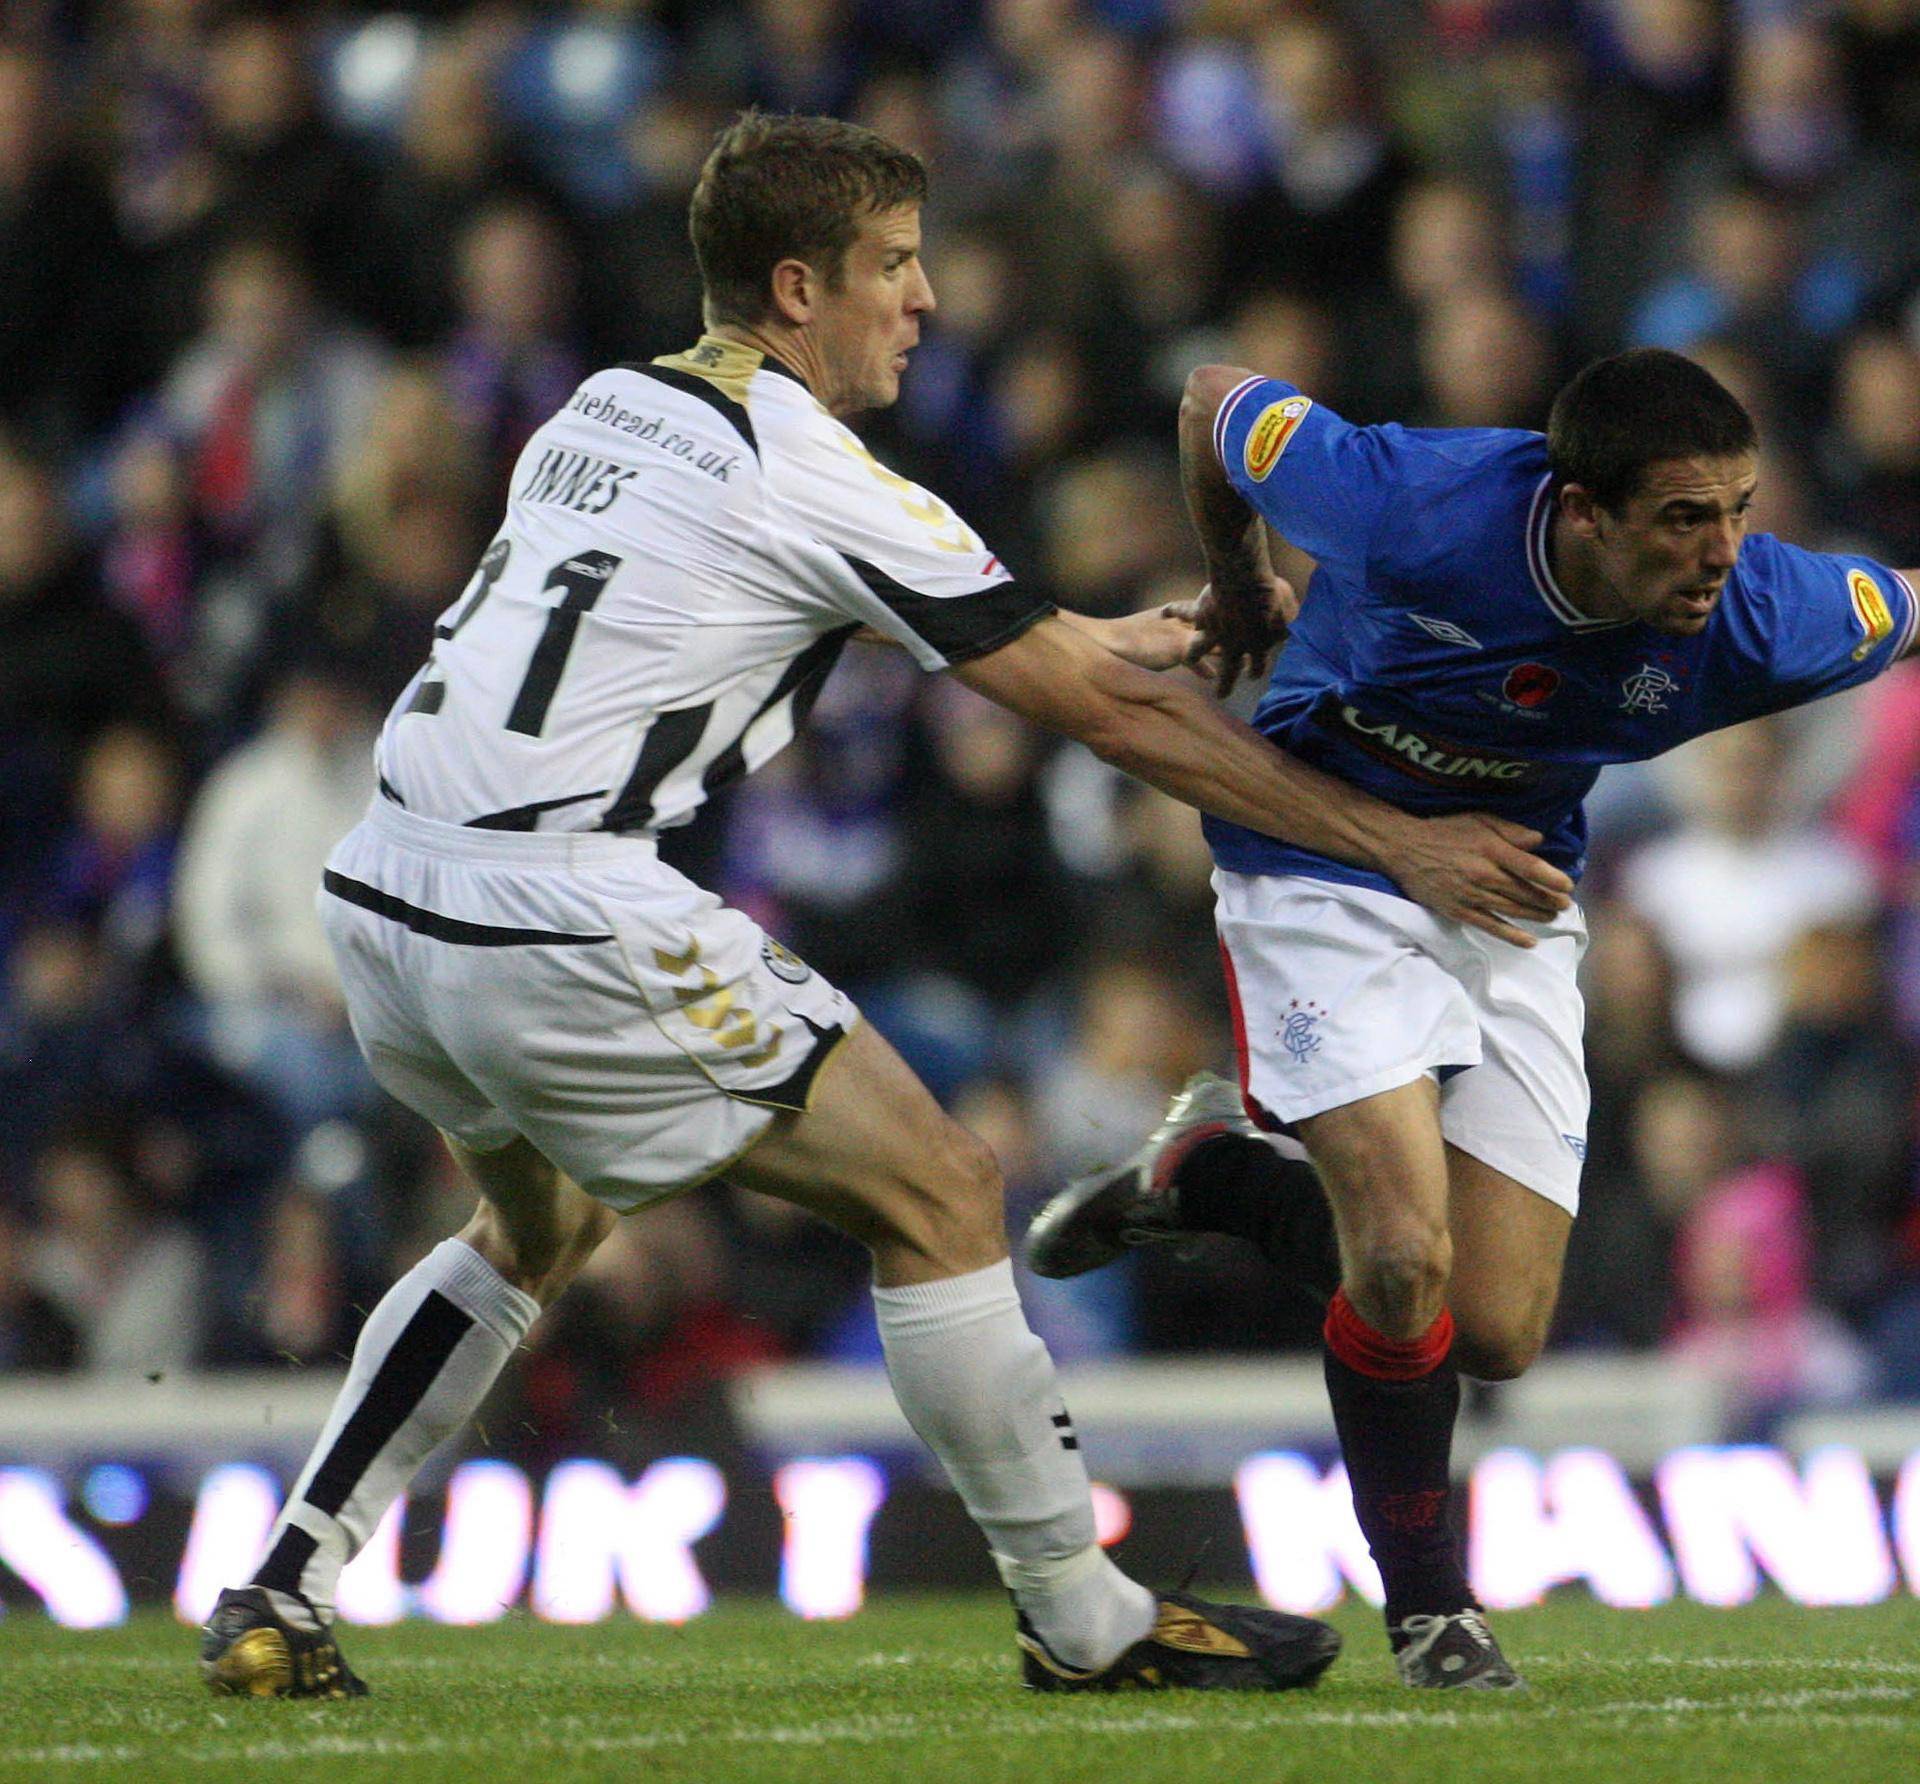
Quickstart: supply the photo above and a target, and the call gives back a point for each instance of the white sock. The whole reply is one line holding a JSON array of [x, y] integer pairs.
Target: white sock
[[979, 1388], [425, 1359]]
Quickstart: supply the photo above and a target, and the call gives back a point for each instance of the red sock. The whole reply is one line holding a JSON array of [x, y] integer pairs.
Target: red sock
[[1371, 1352]]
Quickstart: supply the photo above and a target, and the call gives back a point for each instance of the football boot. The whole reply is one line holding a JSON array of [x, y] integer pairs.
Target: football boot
[[1099, 1216], [1195, 1645], [1451, 1653], [248, 1649]]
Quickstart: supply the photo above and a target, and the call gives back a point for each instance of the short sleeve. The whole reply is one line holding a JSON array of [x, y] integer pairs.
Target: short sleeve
[[920, 573], [1320, 482], [1837, 620]]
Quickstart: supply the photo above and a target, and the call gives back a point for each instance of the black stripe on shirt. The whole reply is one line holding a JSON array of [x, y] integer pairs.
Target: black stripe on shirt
[[670, 740], [443, 928], [733, 413], [527, 817], [959, 627], [802, 679]]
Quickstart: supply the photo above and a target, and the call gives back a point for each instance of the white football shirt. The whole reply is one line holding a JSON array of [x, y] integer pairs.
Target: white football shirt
[[687, 547]]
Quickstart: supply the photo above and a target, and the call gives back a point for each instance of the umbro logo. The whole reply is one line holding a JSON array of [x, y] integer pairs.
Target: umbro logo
[[1446, 631]]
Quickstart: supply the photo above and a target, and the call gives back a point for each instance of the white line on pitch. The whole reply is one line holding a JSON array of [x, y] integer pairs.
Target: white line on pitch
[[864, 1730]]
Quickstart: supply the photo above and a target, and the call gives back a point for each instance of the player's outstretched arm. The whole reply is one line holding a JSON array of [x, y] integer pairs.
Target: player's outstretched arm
[[1473, 868], [1159, 638], [1240, 618]]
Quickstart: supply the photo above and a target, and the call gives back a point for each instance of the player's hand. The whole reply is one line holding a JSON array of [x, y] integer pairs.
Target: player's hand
[[1235, 629], [1480, 870], [1157, 639]]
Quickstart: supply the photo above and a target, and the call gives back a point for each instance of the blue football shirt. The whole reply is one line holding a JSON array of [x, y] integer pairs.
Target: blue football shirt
[[1437, 664]]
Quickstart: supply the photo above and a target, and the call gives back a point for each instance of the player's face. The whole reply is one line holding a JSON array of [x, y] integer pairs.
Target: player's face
[[867, 321], [1667, 555]]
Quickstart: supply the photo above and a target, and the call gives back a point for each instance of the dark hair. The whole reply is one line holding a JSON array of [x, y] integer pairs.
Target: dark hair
[[777, 187], [1618, 416]]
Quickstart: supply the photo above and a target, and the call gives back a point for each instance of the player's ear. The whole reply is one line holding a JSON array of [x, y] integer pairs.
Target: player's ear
[[1582, 512], [794, 289]]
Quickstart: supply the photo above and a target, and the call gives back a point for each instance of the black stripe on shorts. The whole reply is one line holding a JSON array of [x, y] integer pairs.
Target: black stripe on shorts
[[443, 928]]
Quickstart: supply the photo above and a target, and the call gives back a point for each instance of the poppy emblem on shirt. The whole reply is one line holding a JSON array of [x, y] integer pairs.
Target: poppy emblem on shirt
[[1272, 428], [1531, 685], [1870, 609]]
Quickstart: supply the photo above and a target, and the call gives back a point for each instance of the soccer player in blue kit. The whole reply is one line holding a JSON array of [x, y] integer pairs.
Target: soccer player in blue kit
[[1495, 615]]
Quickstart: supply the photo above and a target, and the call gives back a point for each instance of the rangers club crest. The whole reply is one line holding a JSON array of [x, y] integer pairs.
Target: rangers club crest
[[1648, 689], [1300, 1030]]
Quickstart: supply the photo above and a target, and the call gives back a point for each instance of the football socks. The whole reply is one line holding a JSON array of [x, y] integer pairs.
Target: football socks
[[979, 1388], [424, 1361], [1394, 1406]]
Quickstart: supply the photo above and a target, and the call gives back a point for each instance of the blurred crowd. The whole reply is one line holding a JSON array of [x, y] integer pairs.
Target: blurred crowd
[[283, 290]]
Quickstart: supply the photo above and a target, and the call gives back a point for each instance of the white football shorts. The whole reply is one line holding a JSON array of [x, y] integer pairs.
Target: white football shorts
[[574, 990], [1341, 992]]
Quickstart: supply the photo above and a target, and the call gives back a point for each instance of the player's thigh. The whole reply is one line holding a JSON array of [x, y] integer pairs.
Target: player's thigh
[[1509, 1244], [875, 1155], [1384, 1168]]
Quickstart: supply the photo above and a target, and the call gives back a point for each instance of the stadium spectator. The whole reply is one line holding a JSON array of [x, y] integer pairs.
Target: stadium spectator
[[296, 1308], [509, 357], [451, 159], [1616, 1289], [977, 834], [1484, 362], [399, 535], [273, 160], [634, 293], [1836, 1099], [263, 405], [1746, 1319], [126, 1275], [256, 837], [1871, 460], [1730, 890], [70, 667], [154, 552], [114, 871], [1322, 219], [66, 359]]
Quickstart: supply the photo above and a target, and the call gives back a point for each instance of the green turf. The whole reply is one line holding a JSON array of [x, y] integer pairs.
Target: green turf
[[923, 1690]]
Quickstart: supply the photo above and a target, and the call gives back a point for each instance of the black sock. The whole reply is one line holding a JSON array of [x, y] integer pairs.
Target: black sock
[[1240, 1186], [1397, 1438]]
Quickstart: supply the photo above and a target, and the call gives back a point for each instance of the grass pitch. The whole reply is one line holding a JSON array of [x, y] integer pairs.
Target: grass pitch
[[923, 1689]]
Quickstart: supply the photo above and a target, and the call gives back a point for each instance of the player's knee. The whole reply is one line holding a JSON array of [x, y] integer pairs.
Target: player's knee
[[950, 1212], [1400, 1277], [539, 1254]]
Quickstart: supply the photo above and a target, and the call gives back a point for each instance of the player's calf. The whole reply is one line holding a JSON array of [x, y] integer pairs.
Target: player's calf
[[1503, 1357], [1503, 1341]]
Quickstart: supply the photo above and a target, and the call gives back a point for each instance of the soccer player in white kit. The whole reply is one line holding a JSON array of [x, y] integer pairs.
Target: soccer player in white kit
[[687, 547]]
